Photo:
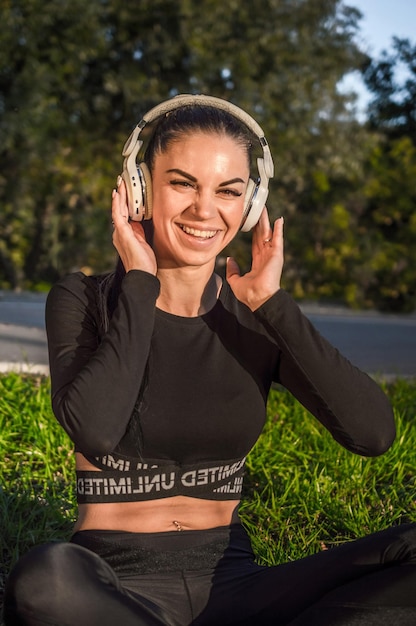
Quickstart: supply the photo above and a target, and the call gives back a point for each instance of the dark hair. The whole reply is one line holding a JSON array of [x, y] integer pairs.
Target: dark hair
[[173, 126]]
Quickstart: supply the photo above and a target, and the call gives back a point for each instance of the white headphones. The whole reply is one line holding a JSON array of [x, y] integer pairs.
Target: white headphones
[[139, 181]]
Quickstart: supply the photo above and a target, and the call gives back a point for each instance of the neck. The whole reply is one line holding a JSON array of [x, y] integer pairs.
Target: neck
[[188, 292]]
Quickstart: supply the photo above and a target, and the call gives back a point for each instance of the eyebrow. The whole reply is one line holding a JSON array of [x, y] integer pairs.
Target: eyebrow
[[182, 173], [194, 180], [231, 182]]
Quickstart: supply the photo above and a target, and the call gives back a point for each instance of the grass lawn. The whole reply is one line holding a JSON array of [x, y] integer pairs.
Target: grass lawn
[[303, 492]]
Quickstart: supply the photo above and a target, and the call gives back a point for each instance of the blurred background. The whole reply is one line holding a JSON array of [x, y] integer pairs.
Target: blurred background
[[339, 113]]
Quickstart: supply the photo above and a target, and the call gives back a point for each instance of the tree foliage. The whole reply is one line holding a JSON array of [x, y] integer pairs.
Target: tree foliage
[[392, 81], [76, 76], [390, 189]]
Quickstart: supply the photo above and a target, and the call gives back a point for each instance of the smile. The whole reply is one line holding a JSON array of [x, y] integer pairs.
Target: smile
[[205, 234]]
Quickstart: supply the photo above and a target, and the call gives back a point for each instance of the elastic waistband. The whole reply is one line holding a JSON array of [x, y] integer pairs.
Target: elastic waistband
[[212, 481], [144, 553]]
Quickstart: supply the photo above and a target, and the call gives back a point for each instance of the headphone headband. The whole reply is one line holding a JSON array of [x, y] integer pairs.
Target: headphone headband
[[265, 164]]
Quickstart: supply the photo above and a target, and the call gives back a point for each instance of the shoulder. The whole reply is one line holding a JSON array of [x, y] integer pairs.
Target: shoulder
[[74, 294], [77, 285]]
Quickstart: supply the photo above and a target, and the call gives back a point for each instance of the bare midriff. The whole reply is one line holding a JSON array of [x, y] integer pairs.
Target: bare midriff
[[176, 513]]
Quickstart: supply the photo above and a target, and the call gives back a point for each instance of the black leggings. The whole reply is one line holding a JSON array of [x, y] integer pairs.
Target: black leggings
[[106, 578]]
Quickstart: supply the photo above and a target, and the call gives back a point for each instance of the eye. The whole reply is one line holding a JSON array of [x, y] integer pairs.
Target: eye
[[182, 183], [230, 192]]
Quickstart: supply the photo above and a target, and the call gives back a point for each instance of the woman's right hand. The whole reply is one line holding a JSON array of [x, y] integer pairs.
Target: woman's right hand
[[128, 236]]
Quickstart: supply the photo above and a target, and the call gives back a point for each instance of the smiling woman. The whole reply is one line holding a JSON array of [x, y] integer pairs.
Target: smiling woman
[[161, 373]]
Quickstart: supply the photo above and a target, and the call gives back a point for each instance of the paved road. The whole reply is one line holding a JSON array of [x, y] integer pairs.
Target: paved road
[[382, 345], [22, 333]]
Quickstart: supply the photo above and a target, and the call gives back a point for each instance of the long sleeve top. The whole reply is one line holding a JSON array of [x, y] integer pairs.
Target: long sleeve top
[[168, 389]]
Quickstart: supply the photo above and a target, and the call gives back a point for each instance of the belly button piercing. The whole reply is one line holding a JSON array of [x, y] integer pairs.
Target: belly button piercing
[[177, 524]]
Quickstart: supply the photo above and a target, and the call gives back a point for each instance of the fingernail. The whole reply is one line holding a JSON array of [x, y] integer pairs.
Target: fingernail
[[119, 180], [113, 193]]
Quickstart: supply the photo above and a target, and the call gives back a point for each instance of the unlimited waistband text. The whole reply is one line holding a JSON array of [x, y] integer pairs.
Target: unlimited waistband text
[[222, 478]]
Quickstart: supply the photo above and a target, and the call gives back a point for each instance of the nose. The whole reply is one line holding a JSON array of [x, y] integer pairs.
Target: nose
[[204, 205]]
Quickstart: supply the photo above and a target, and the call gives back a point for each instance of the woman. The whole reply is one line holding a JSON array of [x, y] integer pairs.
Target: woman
[[160, 375]]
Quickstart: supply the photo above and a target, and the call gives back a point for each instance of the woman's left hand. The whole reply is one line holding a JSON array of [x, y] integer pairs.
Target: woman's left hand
[[263, 280]]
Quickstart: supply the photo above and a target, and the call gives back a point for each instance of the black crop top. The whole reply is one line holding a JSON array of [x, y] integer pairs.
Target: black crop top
[[167, 405]]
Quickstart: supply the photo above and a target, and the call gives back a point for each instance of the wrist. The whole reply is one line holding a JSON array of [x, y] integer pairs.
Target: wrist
[[255, 301]]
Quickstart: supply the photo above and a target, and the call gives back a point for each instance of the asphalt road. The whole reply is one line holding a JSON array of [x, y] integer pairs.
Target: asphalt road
[[22, 333], [382, 345]]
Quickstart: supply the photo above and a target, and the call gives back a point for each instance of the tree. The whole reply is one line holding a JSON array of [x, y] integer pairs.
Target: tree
[[388, 253], [43, 149], [388, 218], [392, 81], [71, 85]]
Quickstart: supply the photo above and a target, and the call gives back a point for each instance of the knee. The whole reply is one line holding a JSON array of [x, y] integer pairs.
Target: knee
[[40, 579], [403, 548]]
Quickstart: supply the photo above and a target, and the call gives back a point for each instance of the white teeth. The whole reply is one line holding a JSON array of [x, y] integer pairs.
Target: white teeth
[[205, 234]]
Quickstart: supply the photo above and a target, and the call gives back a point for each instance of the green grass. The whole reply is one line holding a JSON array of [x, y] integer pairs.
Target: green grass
[[303, 492]]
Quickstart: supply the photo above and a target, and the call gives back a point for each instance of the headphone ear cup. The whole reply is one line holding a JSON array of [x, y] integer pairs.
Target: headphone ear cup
[[147, 191], [138, 182], [251, 186], [257, 200], [255, 209], [249, 201]]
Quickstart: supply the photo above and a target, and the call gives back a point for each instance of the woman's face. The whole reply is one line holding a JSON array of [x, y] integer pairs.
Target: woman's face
[[198, 185]]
